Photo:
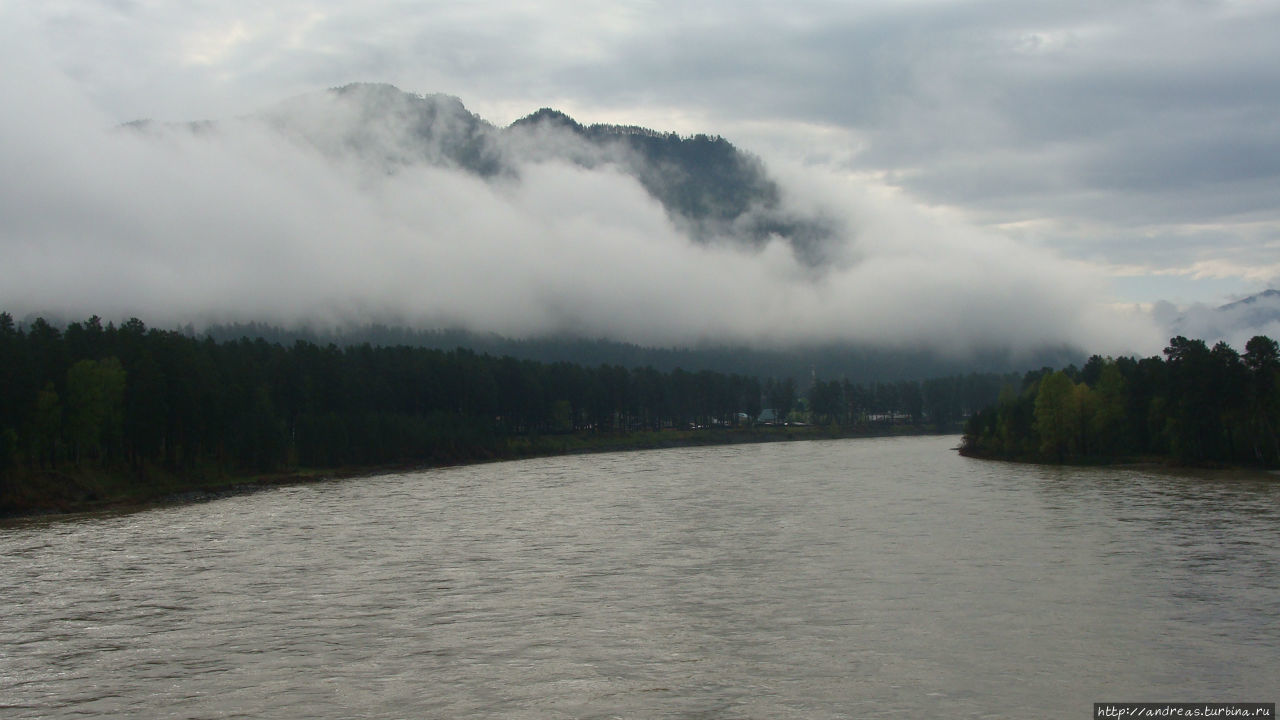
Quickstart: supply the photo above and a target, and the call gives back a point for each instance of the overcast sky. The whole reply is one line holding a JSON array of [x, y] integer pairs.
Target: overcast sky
[[1131, 147]]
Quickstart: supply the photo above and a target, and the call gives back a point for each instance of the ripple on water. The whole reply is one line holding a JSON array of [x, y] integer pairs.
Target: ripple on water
[[862, 578]]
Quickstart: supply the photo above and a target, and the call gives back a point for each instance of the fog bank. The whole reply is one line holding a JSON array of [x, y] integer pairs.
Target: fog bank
[[238, 222]]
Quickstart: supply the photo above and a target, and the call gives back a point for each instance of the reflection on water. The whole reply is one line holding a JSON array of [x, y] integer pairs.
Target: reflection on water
[[858, 579]]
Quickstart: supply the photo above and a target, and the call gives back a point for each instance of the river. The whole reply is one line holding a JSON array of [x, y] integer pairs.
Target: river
[[866, 578]]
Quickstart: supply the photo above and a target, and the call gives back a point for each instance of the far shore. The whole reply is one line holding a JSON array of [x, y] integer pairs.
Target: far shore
[[72, 493], [1154, 463]]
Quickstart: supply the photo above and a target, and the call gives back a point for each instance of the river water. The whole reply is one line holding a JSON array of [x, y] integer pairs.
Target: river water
[[868, 578]]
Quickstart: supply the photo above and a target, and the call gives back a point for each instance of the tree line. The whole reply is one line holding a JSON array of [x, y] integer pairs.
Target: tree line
[[1195, 404], [131, 399], [861, 363]]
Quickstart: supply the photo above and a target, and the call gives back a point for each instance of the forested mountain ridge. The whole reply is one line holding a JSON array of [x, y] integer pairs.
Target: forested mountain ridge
[[712, 187], [708, 187], [857, 363], [1197, 405]]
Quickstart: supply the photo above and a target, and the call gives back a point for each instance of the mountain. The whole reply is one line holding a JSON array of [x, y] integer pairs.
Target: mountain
[[1234, 322], [1257, 310], [709, 188], [388, 128], [705, 183]]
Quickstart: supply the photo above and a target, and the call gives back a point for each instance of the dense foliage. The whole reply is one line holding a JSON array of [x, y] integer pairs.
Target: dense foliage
[[131, 402], [107, 395], [1196, 405]]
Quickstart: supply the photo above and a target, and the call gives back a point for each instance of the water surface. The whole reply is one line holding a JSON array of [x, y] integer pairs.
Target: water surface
[[843, 579]]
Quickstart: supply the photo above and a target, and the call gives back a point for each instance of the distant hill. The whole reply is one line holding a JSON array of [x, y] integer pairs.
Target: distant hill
[[384, 126], [856, 363], [1234, 322], [708, 187], [705, 182], [1257, 310]]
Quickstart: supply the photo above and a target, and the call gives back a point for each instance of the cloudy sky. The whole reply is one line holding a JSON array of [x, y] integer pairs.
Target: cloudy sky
[[1110, 153]]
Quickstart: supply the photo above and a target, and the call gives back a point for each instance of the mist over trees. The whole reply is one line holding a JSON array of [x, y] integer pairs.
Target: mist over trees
[[1196, 405], [859, 363]]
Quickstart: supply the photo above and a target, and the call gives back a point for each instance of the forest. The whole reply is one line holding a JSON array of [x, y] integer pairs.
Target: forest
[[137, 403], [1197, 405], [861, 363]]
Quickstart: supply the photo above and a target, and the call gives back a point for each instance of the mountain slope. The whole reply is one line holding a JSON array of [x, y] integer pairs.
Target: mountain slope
[[382, 125], [707, 186], [715, 189], [1234, 323]]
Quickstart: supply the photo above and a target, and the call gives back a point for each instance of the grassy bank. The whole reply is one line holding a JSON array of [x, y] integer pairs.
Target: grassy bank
[[73, 491]]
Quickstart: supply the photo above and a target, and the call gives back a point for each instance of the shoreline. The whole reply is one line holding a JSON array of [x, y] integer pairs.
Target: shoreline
[[1155, 463], [103, 493]]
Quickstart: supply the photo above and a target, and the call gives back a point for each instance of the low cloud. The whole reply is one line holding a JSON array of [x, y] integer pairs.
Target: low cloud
[[237, 222], [1234, 323], [1119, 130]]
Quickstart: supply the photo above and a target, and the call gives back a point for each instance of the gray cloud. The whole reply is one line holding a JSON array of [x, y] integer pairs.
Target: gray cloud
[[236, 221], [1136, 136], [1234, 323], [1123, 117]]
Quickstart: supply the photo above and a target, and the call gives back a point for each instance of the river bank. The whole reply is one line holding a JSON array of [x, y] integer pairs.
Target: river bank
[[1150, 463], [68, 492]]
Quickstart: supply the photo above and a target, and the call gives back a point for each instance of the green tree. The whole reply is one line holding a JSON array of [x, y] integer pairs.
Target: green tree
[[752, 402], [1057, 415], [1107, 425], [46, 426], [262, 441], [95, 407], [1188, 424], [826, 401], [781, 396], [8, 451], [147, 409], [1084, 404], [1262, 358]]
